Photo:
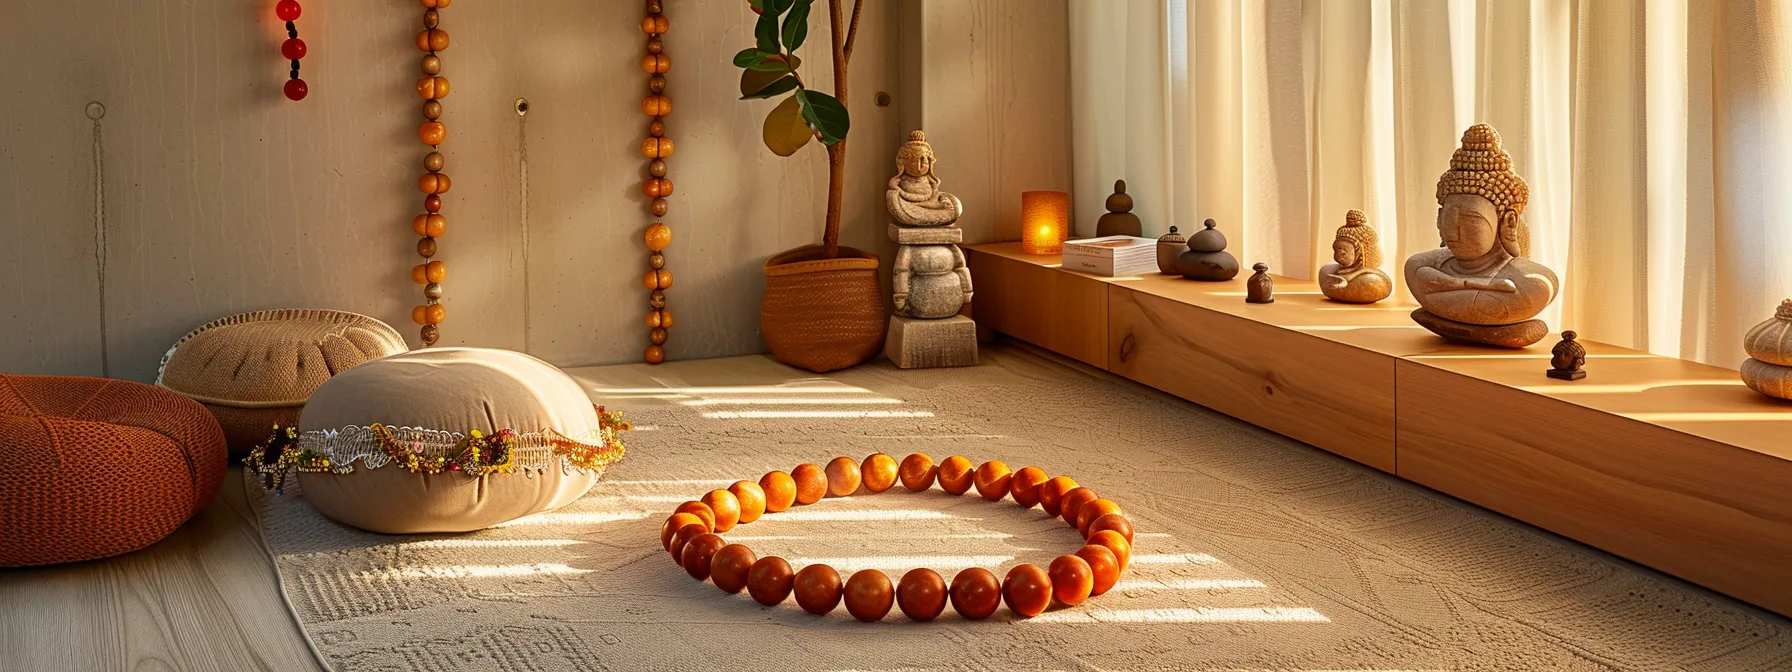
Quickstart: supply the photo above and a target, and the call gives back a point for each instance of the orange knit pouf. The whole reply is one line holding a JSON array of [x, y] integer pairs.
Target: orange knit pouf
[[91, 468]]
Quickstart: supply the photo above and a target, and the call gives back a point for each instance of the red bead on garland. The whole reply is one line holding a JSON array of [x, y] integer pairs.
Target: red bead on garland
[[293, 48]]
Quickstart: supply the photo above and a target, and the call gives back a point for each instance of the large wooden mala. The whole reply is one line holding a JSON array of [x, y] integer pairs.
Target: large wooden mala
[[657, 187], [431, 224], [692, 535]]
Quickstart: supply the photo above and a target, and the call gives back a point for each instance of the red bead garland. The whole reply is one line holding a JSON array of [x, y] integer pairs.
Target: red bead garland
[[430, 225], [692, 535], [656, 148], [293, 48]]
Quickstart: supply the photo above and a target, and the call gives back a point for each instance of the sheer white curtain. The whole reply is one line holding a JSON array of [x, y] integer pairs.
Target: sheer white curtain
[[1656, 136]]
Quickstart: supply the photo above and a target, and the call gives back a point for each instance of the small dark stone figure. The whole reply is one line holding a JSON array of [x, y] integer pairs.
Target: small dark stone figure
[[1260, 288], [1119, 221], [1567, 359], [1207, 258], [1170, 246]]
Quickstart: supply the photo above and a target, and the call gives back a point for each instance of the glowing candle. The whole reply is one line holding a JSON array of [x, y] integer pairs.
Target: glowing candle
[[1044, 221]]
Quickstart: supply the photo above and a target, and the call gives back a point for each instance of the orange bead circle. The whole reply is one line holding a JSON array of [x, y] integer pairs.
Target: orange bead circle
[[878, 472], [780, 491], [956, 474], [917, 472], [992, 479], [843, 477]]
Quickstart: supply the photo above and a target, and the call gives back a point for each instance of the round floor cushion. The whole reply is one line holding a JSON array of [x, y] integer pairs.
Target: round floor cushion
[[91, 468], [255, 370], [449, 440]]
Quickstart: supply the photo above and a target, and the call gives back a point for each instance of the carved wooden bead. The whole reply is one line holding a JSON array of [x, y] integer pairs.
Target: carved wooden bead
[[434, 39], [656, 83], [434, 183], [430, 332], [657, 168], [659, 319], [431, 19], [657, 187], [656, 260], [432, 109], [657, 127], [657, 299], [660, 279], [656, 106], [433, 290], [432, 64], [654, 64], [657, 336], [426, 247], [433, 88], [654, 46], [434, 162], [659, 207], [656, 148], [654, 354], [432, 203], [655, 24]]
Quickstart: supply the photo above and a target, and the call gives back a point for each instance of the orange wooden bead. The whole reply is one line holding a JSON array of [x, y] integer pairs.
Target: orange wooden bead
[[433, 88], [654, 354], [656, 148], [878, 472], [660, 279], [435, 226], [811, 482], [1052, 493], [434, 183], [700, 510], [437, 271], [869, 595], [780, 490], [976, 593], [420, 275], [656, 63], [843, 477], [1028, 590], [657, 187], [672, 525], [992, 480], [1085, 516], [729, 568], [770, 580], [683, 536], [1025, 486], [659, 319], [658, 236], [698, 554], [656, 106], [956, 474], [438, 313], [655, 25], [1117, 522], [1114, 542], [1072, 579], [432, 132], [751, 498], [921, 594], [818, 589], [917, 472], [1073, 502], [726, 506], [1104, 567], [435, 4], [434, 39], [420, 314], [420, 224]]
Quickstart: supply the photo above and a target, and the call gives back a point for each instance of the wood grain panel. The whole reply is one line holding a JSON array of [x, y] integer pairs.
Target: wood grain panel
[[1715, 514], [1059, 311], [1333, 396]]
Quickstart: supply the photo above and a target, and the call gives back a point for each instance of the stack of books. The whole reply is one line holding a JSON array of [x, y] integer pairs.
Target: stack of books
[[1111, 256]]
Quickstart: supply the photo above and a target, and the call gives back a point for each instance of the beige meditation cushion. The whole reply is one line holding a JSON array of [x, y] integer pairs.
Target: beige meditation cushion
[[430, 393], [255, 370]]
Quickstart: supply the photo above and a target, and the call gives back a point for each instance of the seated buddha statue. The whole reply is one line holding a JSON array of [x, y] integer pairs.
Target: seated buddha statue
[[914, 197], [1479, 287], [1355, 278]]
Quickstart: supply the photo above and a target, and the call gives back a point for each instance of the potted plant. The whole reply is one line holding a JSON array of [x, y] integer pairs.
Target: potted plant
[[823, 308]]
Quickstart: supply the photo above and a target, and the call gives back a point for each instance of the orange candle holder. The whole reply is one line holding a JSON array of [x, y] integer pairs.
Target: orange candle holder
[[1044, 221]]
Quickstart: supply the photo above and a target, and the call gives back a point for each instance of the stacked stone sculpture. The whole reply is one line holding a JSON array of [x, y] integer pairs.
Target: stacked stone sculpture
[[929, 280]]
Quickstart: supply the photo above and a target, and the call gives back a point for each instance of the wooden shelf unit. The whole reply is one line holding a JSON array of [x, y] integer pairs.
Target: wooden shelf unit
[[1670, 463]]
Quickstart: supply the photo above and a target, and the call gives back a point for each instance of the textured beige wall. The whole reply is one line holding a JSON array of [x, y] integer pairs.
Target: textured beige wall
[[215, 195]]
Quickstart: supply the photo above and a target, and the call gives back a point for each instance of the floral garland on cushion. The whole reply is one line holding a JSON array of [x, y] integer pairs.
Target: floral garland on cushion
[[430, 451]]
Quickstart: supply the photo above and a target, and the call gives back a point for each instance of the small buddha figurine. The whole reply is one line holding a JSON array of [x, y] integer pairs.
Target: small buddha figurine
[[1207, 258], [1119, 221], [1479, 287], [1567, 358], [914, 197], [1260, 288], [1355, 277]]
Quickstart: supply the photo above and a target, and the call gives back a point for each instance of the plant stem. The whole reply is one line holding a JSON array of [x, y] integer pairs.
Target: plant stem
[[830, 237]]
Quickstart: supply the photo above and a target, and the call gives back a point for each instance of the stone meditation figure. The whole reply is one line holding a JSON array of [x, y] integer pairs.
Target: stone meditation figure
[[1355, 277], [1119, 221], [1479, 287], [914, 197]]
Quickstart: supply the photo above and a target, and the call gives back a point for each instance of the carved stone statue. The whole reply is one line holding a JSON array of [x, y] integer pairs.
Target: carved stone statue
[[1479, 287], [1206, 258], [1119, 221], [929, 280], [914, 197], [1355, 277], [1567, 358]]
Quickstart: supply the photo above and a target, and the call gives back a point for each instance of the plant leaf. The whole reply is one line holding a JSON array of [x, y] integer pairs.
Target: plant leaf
[[766, 33], [796, 25], [825, 115], [748, 57], [778, 6], [781, 85], [785, 132], [776, 63]]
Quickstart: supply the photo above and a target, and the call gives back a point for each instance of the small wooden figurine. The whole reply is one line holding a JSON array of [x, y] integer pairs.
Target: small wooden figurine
[[1119, 221], [1207, 258], [1260, 288], [1170, 246], [1567, 358]]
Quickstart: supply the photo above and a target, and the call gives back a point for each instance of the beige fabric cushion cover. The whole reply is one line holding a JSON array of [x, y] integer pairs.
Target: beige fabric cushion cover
[[453, 389], [255, 370]]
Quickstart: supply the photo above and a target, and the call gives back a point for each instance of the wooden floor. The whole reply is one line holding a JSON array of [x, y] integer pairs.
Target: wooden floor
[[205, 598]]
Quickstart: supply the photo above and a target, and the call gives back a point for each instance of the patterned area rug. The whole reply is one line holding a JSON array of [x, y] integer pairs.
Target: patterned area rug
[[1255, 552]]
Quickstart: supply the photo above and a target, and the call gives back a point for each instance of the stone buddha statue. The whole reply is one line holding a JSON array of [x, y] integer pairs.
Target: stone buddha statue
[[1479, 287], [1355, 278], [914, 197]]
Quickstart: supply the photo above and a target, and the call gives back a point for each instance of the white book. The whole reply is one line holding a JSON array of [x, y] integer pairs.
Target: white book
[[1111, 256]]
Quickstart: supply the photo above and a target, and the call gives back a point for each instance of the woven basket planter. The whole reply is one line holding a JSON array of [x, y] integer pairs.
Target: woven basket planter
[[255, 370], [823, 314]]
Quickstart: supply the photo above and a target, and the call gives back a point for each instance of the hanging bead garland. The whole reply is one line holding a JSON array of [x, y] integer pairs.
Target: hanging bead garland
[[293, 48], [431, 224], [657, 187]]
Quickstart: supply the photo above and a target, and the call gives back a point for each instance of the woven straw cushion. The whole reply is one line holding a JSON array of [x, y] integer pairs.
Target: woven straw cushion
[[450, 389], [256, 370], [91, 468]]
